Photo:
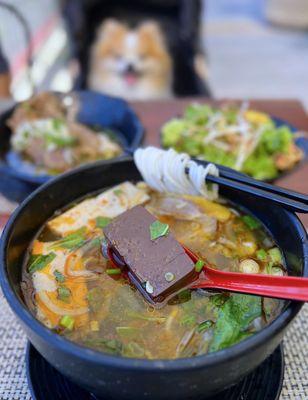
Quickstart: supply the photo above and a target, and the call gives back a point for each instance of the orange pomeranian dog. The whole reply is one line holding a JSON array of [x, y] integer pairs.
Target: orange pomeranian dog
[[131, 63]]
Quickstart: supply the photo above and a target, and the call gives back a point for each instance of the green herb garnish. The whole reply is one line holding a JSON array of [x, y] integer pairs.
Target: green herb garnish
[[136, 315], [126, 331], [113, 271], [251, 222], [111, 346], [67, 322], [40, 261], [64, 294], [261, 255], [199, 265], [158, 229], [95, 298], [102, 222], [275, 255], [118, 192], [205, 326], [234, 318], [59, 276], [71, 241]]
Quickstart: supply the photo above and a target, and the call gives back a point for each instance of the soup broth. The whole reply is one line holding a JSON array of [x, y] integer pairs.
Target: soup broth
[[74, 290]]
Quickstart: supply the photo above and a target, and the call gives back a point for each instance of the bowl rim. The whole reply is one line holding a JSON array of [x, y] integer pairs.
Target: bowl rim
[[155, 366]]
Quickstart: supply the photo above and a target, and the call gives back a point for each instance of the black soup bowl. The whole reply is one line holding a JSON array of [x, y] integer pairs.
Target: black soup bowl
[[124, 378]]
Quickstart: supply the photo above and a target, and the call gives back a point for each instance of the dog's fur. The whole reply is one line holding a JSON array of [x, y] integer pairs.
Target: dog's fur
[[131, 63]]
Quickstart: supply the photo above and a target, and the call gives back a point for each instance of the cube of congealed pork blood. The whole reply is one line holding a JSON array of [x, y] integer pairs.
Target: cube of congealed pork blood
[[151, 252]]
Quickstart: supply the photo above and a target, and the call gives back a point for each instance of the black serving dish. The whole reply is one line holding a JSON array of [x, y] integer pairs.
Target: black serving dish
[[18, 178], [130, 379], [46, 383]]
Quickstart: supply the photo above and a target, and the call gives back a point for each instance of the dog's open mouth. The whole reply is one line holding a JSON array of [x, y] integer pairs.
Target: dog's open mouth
[[131, 77]]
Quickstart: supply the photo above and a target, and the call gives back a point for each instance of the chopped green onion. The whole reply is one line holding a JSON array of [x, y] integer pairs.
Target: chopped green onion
[[40, 261], [102, 222], [67, 322], [126, 330], [251, 222], [71, 241], [261, 255], [135, 350], [64, 294], [59, 276], [113, 271], [118, 192], [199, 265], [169, 276], [275, 255], [158, 229], [136, 315], [205, 326], [268, 268]]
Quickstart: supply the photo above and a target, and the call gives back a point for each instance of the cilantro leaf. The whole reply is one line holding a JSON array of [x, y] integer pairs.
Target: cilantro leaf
[[158, 229]]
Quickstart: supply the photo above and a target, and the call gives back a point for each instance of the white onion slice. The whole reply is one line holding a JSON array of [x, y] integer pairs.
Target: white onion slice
[[60, 310]]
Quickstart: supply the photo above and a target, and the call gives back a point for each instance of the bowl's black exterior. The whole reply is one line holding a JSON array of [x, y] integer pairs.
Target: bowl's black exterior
[[124, 378]]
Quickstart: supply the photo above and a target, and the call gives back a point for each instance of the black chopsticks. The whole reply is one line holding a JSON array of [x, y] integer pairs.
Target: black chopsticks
[[288, 199]]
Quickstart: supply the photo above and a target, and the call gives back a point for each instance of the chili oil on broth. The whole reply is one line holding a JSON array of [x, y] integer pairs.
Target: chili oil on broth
[[74, 291]]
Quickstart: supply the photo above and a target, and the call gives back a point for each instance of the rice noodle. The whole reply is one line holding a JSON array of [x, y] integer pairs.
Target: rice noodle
[[166, 171]]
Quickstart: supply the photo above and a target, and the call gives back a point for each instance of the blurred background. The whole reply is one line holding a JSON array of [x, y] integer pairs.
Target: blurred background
[[228, 48]]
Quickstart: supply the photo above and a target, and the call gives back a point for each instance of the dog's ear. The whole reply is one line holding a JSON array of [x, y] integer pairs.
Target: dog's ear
[[152, 30], [109, 27]]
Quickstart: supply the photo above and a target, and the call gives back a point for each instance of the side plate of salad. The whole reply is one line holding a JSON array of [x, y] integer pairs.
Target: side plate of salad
[[237, 137]]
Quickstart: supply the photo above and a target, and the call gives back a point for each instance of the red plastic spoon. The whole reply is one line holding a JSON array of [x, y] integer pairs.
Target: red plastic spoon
[[282, 287]]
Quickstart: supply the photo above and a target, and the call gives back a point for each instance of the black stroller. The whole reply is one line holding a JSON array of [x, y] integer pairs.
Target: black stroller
[[180, 19]]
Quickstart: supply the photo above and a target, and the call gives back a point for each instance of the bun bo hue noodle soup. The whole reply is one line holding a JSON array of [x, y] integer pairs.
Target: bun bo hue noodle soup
[[72, 289]]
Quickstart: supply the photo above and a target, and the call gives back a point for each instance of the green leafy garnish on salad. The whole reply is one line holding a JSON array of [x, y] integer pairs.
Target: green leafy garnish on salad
[[239, 138]]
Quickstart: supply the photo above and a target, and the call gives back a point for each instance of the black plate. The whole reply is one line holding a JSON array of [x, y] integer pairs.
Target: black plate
[[46, 383]]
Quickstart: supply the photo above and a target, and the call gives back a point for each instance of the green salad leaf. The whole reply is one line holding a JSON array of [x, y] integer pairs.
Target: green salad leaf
[[198, 113], [172, 131]]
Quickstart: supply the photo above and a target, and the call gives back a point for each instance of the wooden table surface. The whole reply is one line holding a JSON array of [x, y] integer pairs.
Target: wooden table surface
[[154, 113]]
